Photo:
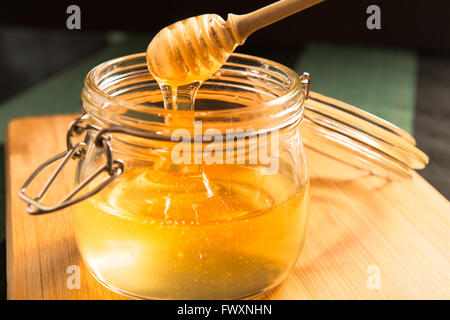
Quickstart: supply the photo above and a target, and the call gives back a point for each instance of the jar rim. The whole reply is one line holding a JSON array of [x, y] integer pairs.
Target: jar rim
[[293, 96], [294, 87]]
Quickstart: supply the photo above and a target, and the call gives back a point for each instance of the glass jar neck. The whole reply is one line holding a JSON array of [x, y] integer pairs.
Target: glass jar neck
[[247, 93]]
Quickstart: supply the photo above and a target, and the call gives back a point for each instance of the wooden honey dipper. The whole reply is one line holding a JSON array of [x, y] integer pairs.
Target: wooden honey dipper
[[193, 49]]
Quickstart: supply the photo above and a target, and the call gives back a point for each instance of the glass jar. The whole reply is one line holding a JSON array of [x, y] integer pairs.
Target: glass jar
[[205, 227], [210, 203]]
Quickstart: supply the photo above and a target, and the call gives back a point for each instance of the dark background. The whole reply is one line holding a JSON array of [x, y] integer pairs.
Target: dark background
[[35, 44], [422, 24]]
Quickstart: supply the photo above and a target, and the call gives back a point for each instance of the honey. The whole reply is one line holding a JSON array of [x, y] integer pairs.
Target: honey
[[183, 55], [168, 235], [196, 229]]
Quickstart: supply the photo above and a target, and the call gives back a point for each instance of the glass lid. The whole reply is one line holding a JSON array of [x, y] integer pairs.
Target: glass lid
[[358, 138]]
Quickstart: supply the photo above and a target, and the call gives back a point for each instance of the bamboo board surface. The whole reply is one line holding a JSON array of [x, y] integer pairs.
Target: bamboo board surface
[[363, 231]]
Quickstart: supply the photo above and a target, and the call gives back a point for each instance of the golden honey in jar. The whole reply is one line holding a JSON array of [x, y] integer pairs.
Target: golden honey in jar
[[196, 229]]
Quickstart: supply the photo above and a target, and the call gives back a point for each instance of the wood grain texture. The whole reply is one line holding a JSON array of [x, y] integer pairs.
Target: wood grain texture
[[356, 221]]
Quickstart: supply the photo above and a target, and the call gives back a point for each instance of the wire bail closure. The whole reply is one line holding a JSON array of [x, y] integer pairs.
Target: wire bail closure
[[76, 152]]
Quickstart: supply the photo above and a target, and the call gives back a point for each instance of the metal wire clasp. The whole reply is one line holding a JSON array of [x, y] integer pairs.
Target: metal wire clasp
[[76, 152], [305, 80]]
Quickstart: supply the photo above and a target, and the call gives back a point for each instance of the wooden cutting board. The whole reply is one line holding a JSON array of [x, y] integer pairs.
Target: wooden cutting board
[[368, 238]]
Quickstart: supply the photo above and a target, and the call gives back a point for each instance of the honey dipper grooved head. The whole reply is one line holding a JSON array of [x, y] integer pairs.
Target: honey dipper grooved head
[[190, 50]]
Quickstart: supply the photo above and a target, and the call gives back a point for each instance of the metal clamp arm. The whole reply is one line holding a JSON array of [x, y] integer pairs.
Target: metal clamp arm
[[113, 167]]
